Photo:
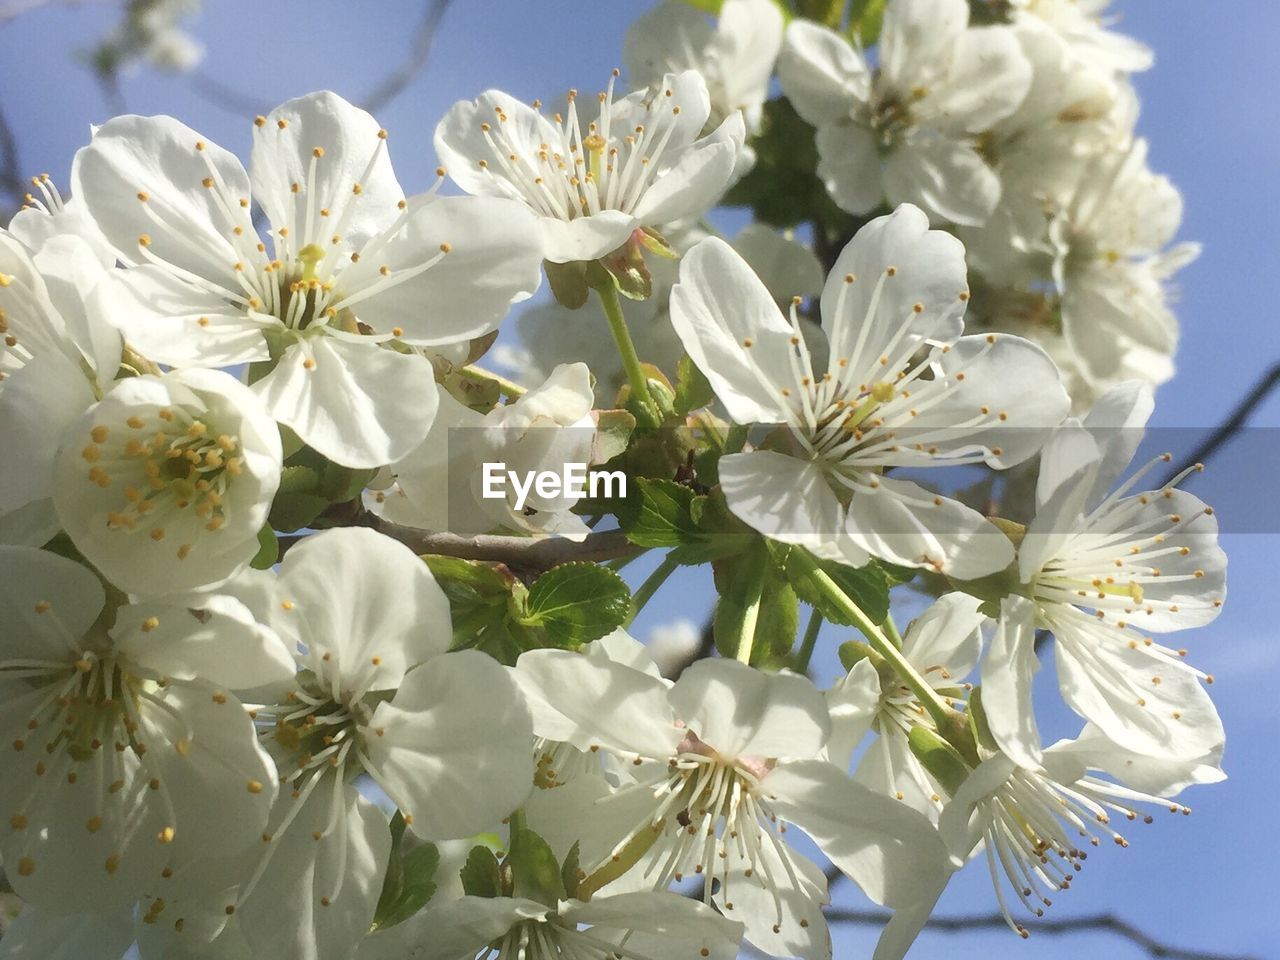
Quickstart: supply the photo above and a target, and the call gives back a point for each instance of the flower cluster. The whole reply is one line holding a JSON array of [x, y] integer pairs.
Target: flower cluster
[[280, 675]]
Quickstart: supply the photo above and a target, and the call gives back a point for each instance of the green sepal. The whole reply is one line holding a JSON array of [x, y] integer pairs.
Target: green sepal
[[693, 389], [535, 873], [853, 652], [941, 759], [979, 728], [481, 875], [293, 511], [571, 874], [568, 282], [268, 549], [613, 431]]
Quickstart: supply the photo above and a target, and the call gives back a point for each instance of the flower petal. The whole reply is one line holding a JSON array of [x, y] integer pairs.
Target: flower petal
[[821, 74], [1010, 665], [360, 405], [454, 747], [849, 166], [786, 499]]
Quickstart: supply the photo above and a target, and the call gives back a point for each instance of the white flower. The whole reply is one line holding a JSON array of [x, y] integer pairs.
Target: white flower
[[445, 735], [56, 358], [546, 429], [552, 334], [907, 131], [640, 163], [165, 483], [1033, 823], [897, 291], [1113, 262], [1082, 24], [629, 926], [1101, 571], [51, 215], [735, 57], [128, 755], [942, 645], [721, 763], [351, 265]]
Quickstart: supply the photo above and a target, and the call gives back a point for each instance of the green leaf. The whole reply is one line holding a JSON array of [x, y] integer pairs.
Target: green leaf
[[661, 517], [341, 484], [578, 602], [783, 188], [740, 580], [482, 578], [865, 20], [693, 389], [293, 511], [416, 886], [268, 549], [613, 430], [299, 479], [866, 586], [535, 873], [480, 874], [571, 872]]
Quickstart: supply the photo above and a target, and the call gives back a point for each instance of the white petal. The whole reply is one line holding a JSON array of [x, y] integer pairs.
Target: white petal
[[927, 271], [361, 405], [917, 35], [187, 223], [585, 238], [352, 152], [450, 929], [220, 782], [946, 177], [285, 916], [988, 80], [1007, 672], [883, 845], [461, 144], [697, 181], [741, 712], [36, 935], [601, 703], [946, 636], [1116, 423], [161, 315], [821, 74], [849, 166], [658, 924], [47, 604], [1155, 775], [902, 522], [367, 600], [671, 36], [716, 308], [785, 498], [750, 898], [853, 703], [454, 747], [215, 639], [786, 267], [494, 259]]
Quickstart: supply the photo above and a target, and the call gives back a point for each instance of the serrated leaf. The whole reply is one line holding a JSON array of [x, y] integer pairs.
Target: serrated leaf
[[578, 602], [268, 549], [535, 874], [480, 874], [661, 514], [693, 389]]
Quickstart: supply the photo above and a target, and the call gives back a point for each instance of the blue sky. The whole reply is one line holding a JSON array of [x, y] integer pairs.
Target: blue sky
[[1210, 111]]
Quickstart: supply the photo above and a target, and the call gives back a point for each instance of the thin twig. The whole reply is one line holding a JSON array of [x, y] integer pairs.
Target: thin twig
[[1233, 424], [419, 55], [1105, 922], [228, 98], [519, 553], [11, 181]]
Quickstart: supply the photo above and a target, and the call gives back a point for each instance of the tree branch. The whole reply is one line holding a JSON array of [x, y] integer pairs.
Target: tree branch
[[1228, 428], [518, 553], [11, 181], [1104, 922], [419, 55]]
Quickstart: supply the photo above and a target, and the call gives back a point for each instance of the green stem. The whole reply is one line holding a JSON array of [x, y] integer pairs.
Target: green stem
[[810, 641], [747, 633], [942, 715], [479, 375], [651, 585], [627, 351], [891, 631]]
